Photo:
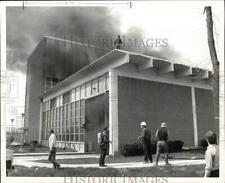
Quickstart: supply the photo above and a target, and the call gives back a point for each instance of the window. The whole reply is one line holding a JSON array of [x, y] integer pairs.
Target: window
[[101, 81], [57, 101], [66, 121], [77, 93], [73, 95], [53, 102], [94, 86], [60, 100], [71, 137], [107, 82], [81, 137], [76, 137], [49, 102], [52, 121], [88, 89], [82, 91], [77, 113], [66, 97]]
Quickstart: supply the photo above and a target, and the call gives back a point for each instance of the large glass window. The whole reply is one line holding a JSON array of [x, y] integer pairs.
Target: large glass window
[[66, 113], [66, 121]]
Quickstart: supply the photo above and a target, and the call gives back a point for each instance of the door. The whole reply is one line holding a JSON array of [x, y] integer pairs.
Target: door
[[96, 118]]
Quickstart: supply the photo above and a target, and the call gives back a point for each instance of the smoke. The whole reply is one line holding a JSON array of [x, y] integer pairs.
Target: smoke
[[26, 27]]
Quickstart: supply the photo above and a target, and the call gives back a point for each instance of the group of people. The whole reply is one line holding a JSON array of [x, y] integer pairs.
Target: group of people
[[162, 146], [211, 154], [162, 134]]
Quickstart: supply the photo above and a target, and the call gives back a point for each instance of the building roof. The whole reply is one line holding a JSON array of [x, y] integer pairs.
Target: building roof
[[113, 60]]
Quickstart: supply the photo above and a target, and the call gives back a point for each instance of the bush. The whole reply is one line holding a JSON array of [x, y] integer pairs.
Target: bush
[[136, 149], [34, 143], [204, 143], [175, 146]]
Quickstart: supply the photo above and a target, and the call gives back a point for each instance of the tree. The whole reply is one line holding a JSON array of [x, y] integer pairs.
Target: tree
[[215, 63]]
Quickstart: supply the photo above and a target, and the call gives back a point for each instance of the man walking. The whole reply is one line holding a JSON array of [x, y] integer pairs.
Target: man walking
[[146, 140], [104, 144], [52, 154], [162, 146]]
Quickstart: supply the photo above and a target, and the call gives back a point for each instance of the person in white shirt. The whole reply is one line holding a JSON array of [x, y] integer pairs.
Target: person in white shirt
[[211, 156], [52, 154]]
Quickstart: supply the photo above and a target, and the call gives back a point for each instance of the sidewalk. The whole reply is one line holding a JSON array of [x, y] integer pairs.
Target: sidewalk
[[29, 161], [47, 153]]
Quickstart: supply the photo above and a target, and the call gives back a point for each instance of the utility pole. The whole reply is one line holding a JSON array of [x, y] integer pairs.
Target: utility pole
[[21, 132], [12, 125], [215, 63], [12, 135]]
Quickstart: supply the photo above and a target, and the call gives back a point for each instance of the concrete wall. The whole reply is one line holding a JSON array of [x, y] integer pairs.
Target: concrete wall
[[65, 58], [204, 109], [154, 102], [34, 88]]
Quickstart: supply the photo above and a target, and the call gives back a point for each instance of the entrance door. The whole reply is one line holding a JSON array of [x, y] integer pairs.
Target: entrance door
[[96, 118]]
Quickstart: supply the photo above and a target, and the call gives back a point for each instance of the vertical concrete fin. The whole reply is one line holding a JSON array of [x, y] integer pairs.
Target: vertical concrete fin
[[194, 112], [113, 112]]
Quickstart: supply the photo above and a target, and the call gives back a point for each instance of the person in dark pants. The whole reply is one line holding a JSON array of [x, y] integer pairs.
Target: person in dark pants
[[146, 140], [52, 154], [104, 144], [162, 146], [118, 42], [211, 156]]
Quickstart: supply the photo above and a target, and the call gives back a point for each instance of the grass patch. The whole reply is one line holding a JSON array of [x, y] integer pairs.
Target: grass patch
[[170, 171]]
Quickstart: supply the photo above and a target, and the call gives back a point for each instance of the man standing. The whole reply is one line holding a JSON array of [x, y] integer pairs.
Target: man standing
[[104, 144], [146, 140], [211, 156], [118, 42], [52, 154], [162, 146]]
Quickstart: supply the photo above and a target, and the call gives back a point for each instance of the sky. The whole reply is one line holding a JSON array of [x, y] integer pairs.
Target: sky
[[182, 25]]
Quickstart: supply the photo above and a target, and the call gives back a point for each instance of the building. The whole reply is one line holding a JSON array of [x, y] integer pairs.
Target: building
[[52, 61], [120, 89]]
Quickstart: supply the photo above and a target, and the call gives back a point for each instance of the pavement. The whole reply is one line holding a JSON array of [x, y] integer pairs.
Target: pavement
[[47, 153], [29, 161]]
